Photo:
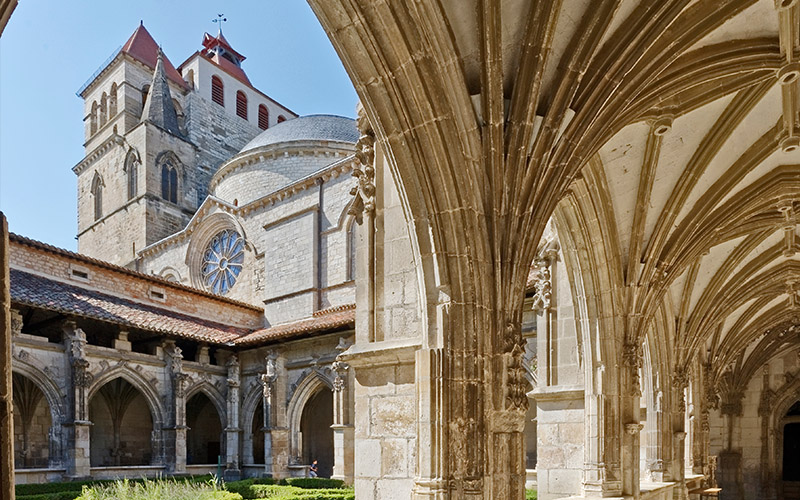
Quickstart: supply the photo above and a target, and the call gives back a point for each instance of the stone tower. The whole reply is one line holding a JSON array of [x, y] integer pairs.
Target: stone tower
[[154, 138]]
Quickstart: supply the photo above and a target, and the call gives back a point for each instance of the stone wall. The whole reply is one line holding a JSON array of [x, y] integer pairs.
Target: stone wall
[[6, 402]]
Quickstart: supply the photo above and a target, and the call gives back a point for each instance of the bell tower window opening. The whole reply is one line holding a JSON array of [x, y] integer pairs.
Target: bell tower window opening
[[169, 178], [217, 91], [263, 117], [281, 118], [241, 104], [97, 194]]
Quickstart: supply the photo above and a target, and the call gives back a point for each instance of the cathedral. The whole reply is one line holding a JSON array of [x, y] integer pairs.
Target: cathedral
[[557, 250]]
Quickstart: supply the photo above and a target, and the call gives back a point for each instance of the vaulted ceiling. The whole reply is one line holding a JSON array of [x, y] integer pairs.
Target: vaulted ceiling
[[683, 114]]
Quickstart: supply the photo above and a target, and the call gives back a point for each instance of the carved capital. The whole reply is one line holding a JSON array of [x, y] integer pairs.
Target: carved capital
[[339, 368], [16, 322], [634, 428], [364, 191]]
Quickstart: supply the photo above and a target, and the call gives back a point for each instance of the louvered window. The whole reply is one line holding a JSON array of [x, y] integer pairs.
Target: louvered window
[[263, 117], [241, 105], [217, 94]]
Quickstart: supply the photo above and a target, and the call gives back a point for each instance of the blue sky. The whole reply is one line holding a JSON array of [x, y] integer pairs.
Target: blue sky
[[50, 48]]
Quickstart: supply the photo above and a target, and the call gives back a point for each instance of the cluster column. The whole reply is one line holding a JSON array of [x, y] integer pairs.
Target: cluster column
[[175, 434], [343, 453], [78, 450], [233, 431]]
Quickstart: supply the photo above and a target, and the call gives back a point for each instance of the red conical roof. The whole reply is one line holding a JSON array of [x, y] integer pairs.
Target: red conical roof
[[142, 47]]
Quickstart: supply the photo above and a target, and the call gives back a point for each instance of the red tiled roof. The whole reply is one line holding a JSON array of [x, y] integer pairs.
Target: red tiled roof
[[31, 290], [142, 47], [30, 242], [328, 319]]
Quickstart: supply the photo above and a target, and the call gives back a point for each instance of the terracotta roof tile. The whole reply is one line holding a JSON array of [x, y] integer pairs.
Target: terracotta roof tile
[[22, 240], [31, 290], [142, 47], [329, 319]]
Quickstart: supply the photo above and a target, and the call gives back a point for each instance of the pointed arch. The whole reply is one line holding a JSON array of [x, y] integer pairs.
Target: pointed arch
[[215, 396], [146, 387], [169, 165], [112, 101], [306, 389], [97, 195], [103, 109], [131, 168], [93, 119]]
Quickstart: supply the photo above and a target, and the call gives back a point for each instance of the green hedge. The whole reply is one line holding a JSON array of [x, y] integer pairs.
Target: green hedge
[[314, 483], [530, 494], [35, 491], [251, 489], [63, 495]]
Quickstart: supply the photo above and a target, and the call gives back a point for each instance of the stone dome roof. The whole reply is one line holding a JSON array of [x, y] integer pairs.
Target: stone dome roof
[[307, 128]]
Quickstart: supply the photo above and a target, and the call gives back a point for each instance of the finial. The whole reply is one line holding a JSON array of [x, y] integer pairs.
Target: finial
[[141, 22], [220, 19], [160, 54]]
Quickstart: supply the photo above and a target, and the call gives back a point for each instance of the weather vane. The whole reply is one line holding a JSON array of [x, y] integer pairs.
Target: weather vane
[[220, 19]]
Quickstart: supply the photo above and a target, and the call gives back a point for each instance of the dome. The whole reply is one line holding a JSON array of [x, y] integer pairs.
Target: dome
[[307, 128]]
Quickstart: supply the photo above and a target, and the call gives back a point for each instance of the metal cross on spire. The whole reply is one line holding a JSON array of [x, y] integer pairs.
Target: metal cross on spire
[[220, 19]]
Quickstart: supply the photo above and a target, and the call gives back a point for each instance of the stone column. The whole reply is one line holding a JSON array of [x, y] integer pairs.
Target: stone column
[[343, 452], [276, 434], [680, 384], [6, 402], [730, 458], [77, 425], [174, 435], [233, 432], [630, 399], [768, 478]]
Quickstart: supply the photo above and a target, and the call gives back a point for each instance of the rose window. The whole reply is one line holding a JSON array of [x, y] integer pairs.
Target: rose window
[[222, 261]]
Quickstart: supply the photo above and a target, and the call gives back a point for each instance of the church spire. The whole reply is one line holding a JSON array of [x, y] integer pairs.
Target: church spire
[[158, 108]]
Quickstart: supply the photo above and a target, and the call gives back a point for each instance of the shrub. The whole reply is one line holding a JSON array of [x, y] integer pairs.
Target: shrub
[[63, 495], [315, 483], [530, 494], [248, 490]]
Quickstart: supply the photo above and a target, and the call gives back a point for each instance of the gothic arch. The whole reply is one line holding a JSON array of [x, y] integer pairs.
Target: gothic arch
[[250, 404], [216, 398], [145, 387], [305, 390], [52, 392]]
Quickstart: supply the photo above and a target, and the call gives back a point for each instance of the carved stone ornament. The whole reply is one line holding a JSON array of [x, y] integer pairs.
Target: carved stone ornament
[[633, 428], [364, 191], [270, 374], [544, 290], [632, 356], [233, 370], [16, 322], [80, 373], [516, 383], [339, 368], [176, 358]]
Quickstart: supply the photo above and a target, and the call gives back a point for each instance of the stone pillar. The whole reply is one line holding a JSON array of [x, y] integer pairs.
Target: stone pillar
[[630, 398], [233, 432], [77, 425], [174, 435], [680, 384], [343, 453], [276, 434], [730, 458], [768, 468], [6, 401]]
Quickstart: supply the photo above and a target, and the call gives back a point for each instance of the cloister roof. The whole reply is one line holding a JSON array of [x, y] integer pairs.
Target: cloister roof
[[325, 320], [37, 291]]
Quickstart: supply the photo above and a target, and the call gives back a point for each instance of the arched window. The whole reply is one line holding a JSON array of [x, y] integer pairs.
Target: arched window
[[103, 109], [281, 118], [351, 250], [112, 101], [217, 91], [97, 194], [169, 176], [93, 119], [145, 91], [241, 104], [132, 167], [190, 78], [181, 115], [263, 117]]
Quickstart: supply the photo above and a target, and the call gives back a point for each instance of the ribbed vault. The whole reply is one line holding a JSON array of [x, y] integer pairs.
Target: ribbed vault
[[667, 132]]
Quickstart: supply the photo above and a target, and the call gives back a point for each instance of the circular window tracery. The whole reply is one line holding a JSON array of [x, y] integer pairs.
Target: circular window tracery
[[222, 261]]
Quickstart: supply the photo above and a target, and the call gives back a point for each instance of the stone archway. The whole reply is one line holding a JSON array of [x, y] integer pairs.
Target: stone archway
[[33, 424], [307, 413], [121, 434], [316, 433], [788, 446], [204, 442]]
